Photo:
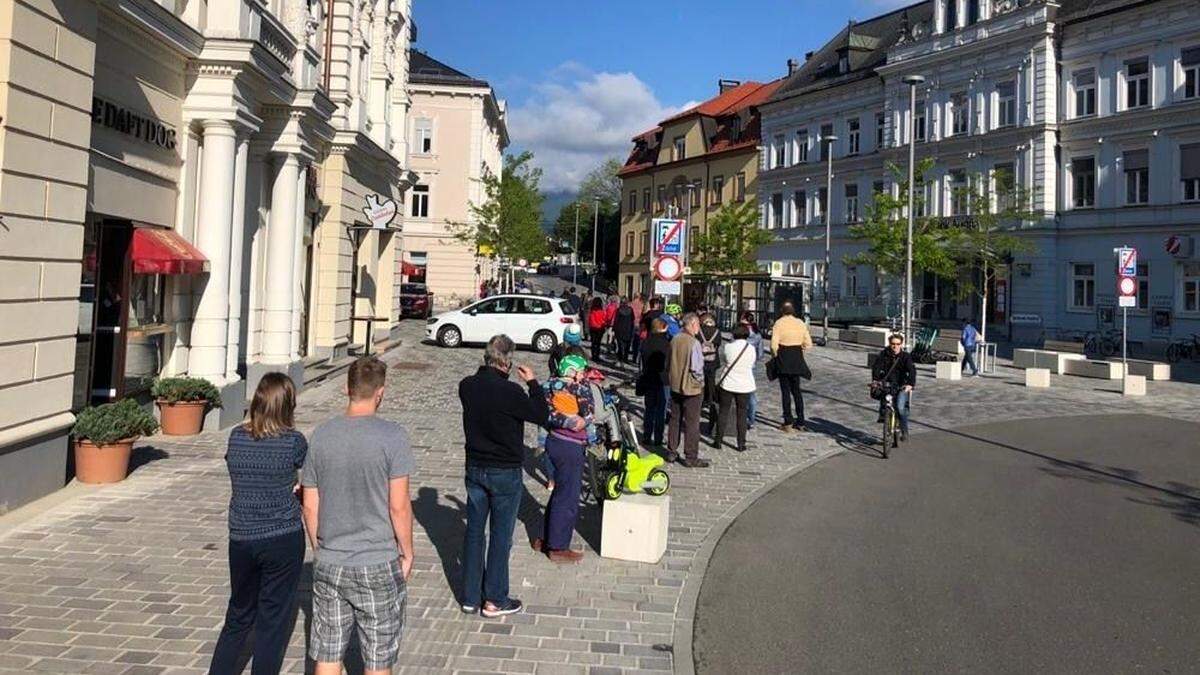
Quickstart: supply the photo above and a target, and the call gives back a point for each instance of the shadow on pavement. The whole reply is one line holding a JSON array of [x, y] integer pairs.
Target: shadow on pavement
[[444, 525], [850, 439]]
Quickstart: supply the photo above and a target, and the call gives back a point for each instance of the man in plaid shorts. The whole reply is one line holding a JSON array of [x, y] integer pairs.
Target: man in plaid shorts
[[359, 521]]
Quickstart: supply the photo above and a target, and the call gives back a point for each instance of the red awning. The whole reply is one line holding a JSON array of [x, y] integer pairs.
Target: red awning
[[411, 270], [162, 251]]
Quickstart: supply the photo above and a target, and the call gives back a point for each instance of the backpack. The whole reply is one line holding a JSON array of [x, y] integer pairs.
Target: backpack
[[708, 349]]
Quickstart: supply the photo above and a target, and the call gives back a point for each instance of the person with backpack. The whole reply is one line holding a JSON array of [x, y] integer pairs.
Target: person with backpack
[[597, 322], [623, 325], [710, 345], [736, 384]]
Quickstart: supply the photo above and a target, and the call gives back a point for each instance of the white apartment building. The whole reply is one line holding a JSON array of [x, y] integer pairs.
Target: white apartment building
[[165, 185], [1001, 96]]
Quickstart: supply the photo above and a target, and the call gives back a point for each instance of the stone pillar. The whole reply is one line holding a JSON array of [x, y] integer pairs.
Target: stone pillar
[[298, 261], [236, 249], [281, 248], [210, 327]]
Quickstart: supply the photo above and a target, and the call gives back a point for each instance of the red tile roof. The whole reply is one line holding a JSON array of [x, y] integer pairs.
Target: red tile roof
[[721, 108]]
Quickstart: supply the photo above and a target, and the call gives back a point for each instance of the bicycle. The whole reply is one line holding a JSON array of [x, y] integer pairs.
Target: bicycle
[[891, 420], [1099, 344], [1183, 348]]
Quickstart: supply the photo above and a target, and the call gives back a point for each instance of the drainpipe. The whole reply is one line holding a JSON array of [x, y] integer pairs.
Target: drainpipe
[[328, 44]]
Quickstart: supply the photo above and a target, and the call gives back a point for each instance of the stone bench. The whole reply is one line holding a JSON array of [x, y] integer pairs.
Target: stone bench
[[1037, 377], [866, 335], [949, 344], [1151, 370], [1133, 385], [634, 527], [1044, 358], [948, 370], [1069, 346], [1104, 370]]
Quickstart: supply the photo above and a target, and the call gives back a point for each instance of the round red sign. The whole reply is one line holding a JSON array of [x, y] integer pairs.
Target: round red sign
[[1127, 286], [667, 268]]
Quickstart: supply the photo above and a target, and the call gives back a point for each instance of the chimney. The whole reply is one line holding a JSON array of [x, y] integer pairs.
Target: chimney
[[792, 65], [725, 85], [807, 55]]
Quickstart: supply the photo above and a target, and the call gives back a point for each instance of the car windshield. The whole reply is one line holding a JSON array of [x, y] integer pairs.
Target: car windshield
[[413, 289]]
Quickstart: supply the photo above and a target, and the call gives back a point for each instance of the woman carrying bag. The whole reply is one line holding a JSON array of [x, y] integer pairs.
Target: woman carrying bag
[[735, 386]]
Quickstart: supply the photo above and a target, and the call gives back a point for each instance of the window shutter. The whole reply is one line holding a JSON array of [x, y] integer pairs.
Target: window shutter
[[1190, 56], [1137, 159], [1189, 161]]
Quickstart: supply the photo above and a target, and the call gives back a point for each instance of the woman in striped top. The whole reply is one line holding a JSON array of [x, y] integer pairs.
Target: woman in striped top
[[266, 533]]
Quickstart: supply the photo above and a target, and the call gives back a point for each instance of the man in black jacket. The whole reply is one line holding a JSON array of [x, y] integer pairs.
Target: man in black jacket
[[894, 368], [494, 415], [653, 381]]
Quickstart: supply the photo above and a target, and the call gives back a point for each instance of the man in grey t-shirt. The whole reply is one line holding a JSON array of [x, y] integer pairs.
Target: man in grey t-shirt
[[359, 519]]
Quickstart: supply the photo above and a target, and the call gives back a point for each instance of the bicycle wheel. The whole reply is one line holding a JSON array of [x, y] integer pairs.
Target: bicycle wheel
[[1107, 348], [1173, 354], [889, 436]]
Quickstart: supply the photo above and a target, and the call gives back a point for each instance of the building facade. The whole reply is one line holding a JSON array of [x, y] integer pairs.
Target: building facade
[[160, 199], [1085, 104], [458, 132], [688, 167]]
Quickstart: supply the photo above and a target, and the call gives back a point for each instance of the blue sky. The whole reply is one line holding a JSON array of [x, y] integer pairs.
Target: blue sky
[[582, 76]]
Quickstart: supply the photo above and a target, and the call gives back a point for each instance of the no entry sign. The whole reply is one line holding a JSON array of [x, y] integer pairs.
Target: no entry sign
[[667, 268]]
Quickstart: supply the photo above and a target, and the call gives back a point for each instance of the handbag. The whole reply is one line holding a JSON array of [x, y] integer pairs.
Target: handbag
[[730, 366], [877, 388]]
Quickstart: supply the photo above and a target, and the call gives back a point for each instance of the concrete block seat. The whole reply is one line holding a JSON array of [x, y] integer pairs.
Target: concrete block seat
[[1133, 385], [1104, 370], [871, 336], [634, 527], [1044, 358], [1037, 377], [948, 370], [1151, 370]]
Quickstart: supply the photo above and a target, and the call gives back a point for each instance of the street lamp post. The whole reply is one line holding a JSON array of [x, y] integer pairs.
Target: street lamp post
[[575, 249], [913, 81], [828, 214], [595, 240]]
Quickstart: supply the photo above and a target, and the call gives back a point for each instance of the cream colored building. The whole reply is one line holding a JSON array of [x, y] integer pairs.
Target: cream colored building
[[165, 179], [687, 167], [458, 133]]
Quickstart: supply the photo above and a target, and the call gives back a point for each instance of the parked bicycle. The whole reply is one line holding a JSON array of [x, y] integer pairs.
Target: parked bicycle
[[1101, 344], [1184, 348]]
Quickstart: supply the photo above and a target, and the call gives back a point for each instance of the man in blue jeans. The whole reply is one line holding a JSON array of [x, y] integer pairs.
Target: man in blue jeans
[[970, 338], [495, 411]]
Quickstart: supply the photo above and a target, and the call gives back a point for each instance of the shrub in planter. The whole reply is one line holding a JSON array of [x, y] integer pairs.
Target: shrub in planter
[[182, 402], [104, 438]]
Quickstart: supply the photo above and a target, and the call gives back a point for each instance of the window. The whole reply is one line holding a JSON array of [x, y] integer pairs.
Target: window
[[1004, 178], [420, 201], [735, 129], [799, 209], [662, 198], [802, 146], [1143, 285], [1083, 285], [1190, 60], [696, 192], [1191, 287], [718, 188], [851, 281], [1006, 105], [678, 149], [951, 15], [693, 236], [972, 12], [423, 132], [1189, 171], [780, 158], [826, 132], [532, 306], [1137, 83], [852, 203], [1137, 176], [633, 201], [959, 197], [1083, 182], [628, 245], [919, 121], [822, 203], [877, 188], [646, 200], [959, 120], [852, 137], [739, 187], [920, 196], [880, 127], [1085, 92], [775, 216]]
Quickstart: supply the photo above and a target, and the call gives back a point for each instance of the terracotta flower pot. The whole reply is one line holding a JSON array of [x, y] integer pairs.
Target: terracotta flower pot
[[102, 463], [184, 418]]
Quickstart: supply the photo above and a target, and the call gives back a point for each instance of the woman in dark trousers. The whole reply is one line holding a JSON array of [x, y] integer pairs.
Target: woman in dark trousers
[[623, 329], [266, 533], [656, 357], [597, 322]]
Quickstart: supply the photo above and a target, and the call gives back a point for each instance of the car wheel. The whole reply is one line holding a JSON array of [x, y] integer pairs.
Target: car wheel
[[544, 341], [449, 336]]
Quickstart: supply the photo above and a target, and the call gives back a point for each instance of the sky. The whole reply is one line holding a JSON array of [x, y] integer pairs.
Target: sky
[[582, 77]]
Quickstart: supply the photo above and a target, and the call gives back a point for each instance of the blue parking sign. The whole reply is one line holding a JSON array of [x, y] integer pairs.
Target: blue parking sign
[[669, 235]]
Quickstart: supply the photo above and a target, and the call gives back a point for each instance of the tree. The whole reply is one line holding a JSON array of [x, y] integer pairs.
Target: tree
[[984, 240], [507, 223], [730, 246], [600, 184]]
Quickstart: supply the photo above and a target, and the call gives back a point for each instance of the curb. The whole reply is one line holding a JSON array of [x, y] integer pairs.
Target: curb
[[683, 661]]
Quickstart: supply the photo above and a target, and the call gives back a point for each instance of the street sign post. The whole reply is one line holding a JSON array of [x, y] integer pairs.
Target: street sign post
[[668, 253], [1127, 288]]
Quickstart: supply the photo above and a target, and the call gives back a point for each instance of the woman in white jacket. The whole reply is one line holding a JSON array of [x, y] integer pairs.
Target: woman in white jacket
[[735, 384]]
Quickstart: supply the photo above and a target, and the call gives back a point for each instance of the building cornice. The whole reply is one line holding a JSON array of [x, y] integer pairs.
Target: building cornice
[[160, 23]]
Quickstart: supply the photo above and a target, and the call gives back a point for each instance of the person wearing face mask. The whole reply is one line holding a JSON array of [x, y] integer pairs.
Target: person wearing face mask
[[896, 372]]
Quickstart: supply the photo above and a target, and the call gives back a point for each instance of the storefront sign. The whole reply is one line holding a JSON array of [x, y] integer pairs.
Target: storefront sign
[[380, 212], [117, 118], [1026, 319]]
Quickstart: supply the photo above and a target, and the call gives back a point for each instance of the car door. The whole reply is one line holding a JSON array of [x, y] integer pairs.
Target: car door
[[478, 320], [533, 315]]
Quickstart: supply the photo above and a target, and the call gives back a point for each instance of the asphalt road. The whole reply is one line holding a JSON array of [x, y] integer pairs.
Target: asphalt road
[[1055, 545]]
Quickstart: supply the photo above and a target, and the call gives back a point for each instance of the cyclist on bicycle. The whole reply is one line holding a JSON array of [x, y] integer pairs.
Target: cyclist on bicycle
[[895, 370]]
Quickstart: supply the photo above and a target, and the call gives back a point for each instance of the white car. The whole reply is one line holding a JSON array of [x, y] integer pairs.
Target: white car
[[537, 321]]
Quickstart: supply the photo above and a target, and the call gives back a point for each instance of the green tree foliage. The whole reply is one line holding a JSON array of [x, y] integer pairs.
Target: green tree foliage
[[507, 223], [730, 246]]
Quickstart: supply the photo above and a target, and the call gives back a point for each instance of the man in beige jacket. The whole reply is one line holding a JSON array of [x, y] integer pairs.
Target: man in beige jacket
[[789, 340]]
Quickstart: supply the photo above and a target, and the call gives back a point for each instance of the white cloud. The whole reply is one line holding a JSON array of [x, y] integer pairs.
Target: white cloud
[[577, 118]]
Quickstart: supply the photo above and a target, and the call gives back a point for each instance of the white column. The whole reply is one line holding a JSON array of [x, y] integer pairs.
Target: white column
[[210, 328], [237, 247], [298, 261], [280, 272]]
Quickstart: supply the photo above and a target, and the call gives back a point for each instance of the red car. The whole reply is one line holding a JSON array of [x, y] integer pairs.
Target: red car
[[416, 300]]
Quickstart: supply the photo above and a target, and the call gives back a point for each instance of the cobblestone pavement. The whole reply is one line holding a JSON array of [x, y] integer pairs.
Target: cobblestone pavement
[[132, 578]]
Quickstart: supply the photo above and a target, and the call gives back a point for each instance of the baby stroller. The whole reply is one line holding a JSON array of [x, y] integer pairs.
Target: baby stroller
[[616, 466]]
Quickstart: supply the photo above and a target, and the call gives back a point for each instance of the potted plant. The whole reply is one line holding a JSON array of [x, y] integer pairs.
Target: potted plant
[[104, 437], [182, 402]]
